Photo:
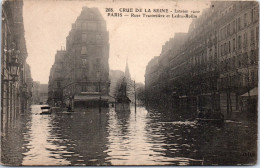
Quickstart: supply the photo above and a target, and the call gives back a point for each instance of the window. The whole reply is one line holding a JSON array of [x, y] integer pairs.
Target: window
[[225, 48], [98, 37], [252, 36], [84, 62], [98, 61], [234, 26], [253, 77], [245, 19], [253, 58], [84, 50], [91, 16], [229, 47], [84, 37], [92, 38], [228, 29], [238, 24], [239, 63], [84, 88], [245, 40], [221, 50], [257, 34], [234, 44], [256, 12], [239, 42], [252, 16], [84, 25], [98, 74], [77, 25], [210, 54], [97, 88]]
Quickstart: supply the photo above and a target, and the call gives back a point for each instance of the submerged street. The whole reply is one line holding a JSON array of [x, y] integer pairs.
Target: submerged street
[[100, 83], [148, 137]]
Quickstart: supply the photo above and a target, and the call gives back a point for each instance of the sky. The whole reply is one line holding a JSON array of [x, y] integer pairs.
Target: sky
[[48, 22]]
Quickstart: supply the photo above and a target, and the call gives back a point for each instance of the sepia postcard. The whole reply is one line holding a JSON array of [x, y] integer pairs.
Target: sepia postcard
[[129, 83]]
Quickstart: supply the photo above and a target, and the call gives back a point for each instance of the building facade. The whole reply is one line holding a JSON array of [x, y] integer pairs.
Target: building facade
[[215, 64], [35, 93], [16, 81], [55, 85], [115, 76], [85, 77]]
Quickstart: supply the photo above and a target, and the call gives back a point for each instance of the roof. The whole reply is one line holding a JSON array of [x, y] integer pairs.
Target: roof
[[90, 98]]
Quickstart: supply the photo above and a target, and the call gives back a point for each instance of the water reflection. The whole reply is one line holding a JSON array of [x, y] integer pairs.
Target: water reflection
[[144, 137], [41, 141]]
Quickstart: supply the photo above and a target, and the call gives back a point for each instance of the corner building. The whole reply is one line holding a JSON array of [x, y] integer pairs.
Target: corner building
[[86, 69]]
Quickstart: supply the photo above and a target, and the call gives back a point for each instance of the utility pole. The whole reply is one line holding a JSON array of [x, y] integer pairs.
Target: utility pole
[[99, 92]]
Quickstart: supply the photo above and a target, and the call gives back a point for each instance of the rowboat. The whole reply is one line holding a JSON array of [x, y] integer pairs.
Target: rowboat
[[45, 110]]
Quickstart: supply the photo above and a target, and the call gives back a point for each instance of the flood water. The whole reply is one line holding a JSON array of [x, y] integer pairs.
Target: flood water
[[145, 137]]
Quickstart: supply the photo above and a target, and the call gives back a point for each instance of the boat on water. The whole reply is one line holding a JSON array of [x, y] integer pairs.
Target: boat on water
[[210, 117], [210, 120], [45, 110]]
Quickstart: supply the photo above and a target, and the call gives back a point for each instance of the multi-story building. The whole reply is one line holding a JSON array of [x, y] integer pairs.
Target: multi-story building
[[85, 68], [238, 53], [151, 80], [115, 76], [55, 86], [216, 63], [15, 73], [43, 93], [27, 88], [35, 93]]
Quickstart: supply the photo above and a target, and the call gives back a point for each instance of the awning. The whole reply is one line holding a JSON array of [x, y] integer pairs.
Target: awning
[[252, 92], [90, 98], [93, 98]]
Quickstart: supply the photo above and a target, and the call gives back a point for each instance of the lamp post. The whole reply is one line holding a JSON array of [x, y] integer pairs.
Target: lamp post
[[13, 67], [13, 63]]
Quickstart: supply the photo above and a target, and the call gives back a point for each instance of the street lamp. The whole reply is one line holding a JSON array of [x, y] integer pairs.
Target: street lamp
[[13, 62]]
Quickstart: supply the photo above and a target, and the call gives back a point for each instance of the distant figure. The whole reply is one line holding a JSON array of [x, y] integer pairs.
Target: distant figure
[[208, 114], [200, 115], [69, 108], [112, 104], [221, 116]]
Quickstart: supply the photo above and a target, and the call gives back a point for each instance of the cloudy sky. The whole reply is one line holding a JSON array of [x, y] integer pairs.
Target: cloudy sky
[[48, 22]]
